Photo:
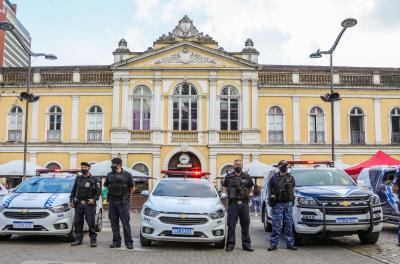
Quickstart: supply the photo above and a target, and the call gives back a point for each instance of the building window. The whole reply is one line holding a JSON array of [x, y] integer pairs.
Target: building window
[[141, 108], [275, 125], [317, 125], [95, 124], [141, 183], [55, 124], [357, 132], [226, 169], [395, 125], [229, 108], [185, 107], [140, 167], [53, 166], [15, 123]]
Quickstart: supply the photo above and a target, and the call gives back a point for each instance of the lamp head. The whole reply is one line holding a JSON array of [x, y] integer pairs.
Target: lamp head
[[7, 26], [50, 57], [349, 22], [316, 55]]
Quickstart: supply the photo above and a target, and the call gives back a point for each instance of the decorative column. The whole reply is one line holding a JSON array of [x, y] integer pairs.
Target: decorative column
[[378, 121], [170, 119], [296, 119], [200, 118], [115, 116], [33, 157], [125, 105], [213, 166], [337, 125], [74, 118], [213, 103], [73, 160], [245, 104], [156, 165], [34, 123], [246, 159], [156, 103], [254, 104], [124, 157]]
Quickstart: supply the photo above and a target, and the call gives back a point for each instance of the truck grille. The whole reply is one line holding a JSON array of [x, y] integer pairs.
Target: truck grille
[[183, 221], [27, 215], [337, 206], [332, 201]]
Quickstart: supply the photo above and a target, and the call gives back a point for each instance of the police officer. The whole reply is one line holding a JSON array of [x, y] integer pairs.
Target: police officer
[[84, 194], [281, 198], [396, 190], [238, 185], [120, 185]]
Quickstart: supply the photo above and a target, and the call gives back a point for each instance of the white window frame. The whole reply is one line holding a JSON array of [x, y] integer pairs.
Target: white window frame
[[88, 113], [390, 121], [364, 124], [48, 123], [283, 125], [141, 97], [8, 120], [191, 97], [324, 124], [229, 97]]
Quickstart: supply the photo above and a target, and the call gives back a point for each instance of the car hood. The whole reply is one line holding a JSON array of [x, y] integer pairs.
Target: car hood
[[333, 191], [183, 204], [34, 200]]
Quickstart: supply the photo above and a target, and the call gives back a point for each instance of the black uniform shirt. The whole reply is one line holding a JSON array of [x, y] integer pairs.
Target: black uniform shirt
[[249, 182], [88, 181], [127, 175]]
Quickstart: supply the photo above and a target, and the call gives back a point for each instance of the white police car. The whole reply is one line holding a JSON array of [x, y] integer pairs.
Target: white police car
[[183, 209], [328, 202], [40, 206]]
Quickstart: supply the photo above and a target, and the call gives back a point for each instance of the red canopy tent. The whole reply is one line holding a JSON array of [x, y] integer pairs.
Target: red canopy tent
[[380, 158]]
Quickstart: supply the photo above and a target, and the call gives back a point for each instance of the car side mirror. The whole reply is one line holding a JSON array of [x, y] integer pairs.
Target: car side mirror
[[144, 193], [223, 195], [361, 183]]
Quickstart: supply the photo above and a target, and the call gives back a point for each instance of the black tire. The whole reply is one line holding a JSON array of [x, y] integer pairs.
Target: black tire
[[71, 236], [144, 241], [369, 238], [298, 239], [220, 244], [99, 222], [267, 225], [5, 237]]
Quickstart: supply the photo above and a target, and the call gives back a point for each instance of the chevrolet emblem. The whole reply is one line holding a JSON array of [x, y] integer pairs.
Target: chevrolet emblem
[[183, 216], [24, 211], [346, 203]]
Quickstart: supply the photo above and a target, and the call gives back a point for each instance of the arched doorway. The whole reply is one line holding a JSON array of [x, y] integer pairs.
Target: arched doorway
[[184, 161]]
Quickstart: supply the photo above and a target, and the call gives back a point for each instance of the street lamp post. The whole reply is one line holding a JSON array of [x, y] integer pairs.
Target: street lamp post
[[333, 96], [27, 96]]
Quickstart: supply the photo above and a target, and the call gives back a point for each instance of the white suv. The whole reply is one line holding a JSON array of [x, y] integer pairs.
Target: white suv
[[183, 209]]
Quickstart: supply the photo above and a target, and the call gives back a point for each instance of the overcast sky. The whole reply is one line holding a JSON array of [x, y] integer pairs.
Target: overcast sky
[[86, 32]]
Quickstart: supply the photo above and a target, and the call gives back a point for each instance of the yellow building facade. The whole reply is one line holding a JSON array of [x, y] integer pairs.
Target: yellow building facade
[[186, 102]]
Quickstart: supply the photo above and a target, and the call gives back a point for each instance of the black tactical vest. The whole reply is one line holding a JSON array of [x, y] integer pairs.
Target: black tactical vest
[[84, 188], [118, 185], [237, 188], [284, 189]]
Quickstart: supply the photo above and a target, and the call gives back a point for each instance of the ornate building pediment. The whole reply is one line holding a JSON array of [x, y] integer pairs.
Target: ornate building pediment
[[185, 56]]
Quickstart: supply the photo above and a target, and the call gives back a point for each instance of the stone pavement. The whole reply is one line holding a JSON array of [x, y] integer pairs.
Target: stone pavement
[[43, 250]]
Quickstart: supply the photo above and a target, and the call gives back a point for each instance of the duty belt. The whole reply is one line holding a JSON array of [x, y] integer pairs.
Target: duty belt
[[237, 201]]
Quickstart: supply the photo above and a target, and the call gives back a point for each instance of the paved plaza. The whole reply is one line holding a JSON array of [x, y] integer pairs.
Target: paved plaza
[[41, 250]]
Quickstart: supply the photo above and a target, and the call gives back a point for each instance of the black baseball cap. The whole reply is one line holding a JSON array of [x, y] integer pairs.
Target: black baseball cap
[[84, 163]]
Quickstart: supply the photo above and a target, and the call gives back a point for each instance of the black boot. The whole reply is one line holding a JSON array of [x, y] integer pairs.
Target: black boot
[[272, 248], [113, 245], [77, 242], [93, 243], [292, 247]]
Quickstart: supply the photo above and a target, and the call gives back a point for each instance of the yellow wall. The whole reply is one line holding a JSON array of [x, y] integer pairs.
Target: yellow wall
[[61, 158], [273, 159], [92, 157], [9, 156]]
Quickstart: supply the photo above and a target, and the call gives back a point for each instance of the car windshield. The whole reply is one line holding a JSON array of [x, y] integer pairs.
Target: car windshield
[[325, 177], [185, 188], [46, 185]]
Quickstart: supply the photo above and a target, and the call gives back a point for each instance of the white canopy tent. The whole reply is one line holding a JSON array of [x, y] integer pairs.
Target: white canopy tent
[[16, 167], [104, 167], [341, 165], [257, 168]]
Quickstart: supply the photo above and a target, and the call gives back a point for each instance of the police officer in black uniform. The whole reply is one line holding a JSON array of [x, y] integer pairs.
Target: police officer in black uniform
[[120, 185], [238, 185], [84, 194]]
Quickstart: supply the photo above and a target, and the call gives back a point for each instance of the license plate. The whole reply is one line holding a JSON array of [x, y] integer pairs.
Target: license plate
[[23, 225], [183, 231], [347, 220]]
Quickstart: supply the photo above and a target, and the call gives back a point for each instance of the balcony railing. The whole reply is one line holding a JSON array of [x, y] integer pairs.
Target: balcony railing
[[59, 77], [317, 137], [275, 136], [275, 78], [355, 80], [14, 135], [54, 135], [229, 137], [357, 137], [94, 135], [96, 77], [184, 136], [321, 78], [395, 138], [141, 135]]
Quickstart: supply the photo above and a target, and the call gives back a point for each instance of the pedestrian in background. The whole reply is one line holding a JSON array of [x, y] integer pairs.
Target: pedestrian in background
[[256, 200]]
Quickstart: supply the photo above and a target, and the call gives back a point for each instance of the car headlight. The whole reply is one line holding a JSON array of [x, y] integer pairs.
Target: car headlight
[[217, 214], [60, 208], [147, 211], [375, 199], [305, 200]]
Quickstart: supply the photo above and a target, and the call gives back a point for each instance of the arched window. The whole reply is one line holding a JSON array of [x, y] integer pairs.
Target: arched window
[[95, 124], [140, 167], [55, 124], [357, 131], [275, 125], [53, 166], [141, 108], [395, 125], [185, 107], [317, 125], [226, 169], [229, 108], [15, 123]]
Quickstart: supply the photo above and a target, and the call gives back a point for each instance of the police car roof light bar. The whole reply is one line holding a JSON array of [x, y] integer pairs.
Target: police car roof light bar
[[186, 173], [42, 171], [311, 162]]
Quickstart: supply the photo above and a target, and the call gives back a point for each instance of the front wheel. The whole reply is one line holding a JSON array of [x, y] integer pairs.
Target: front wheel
[[5, 237], [71, 236], [144, 241], [267, 225], [220, 244], [369, 238]]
